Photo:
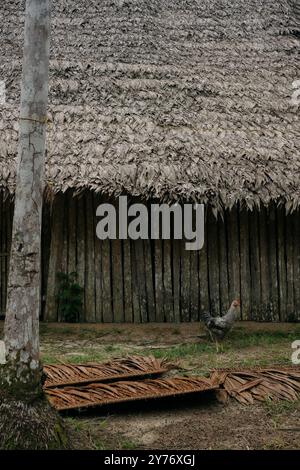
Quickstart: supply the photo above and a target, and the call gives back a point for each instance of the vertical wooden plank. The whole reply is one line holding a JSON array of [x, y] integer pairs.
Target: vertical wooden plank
[[56, 258], [223, 264], [135, 283], [117, 274], [45, 253], [90, 315], [185, 287], [98, 267], [167, 273], [194, 266], [159, 280], [245, 266], [290, 265], [141, 281], [149, 275], [233, 254], [72, 223], [128, 283], [282, 275], [64, 243], [117, 281], [213, 264], [176, 280], [296, 245], [203, 274], [273, 267], [80, 249], [264, 314], [106, 282], [64, 247], [255, 265]]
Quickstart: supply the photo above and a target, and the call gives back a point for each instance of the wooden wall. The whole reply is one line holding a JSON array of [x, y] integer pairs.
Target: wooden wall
[[251, 255]]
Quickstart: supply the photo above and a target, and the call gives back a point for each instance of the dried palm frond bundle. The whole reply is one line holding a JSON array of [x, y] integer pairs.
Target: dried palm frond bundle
[[98, 394], [246, 386], [58, 375]]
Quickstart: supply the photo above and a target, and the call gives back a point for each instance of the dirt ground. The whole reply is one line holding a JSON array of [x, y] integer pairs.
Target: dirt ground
[[200, 422], [199, 425]]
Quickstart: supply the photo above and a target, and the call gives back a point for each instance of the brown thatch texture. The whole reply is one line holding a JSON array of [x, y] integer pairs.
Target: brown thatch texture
[[246, 386], [171, 99], [58, 375], [97, 394]]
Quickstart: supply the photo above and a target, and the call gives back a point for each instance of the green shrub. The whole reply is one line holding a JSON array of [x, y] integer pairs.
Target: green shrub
[[69, 297]]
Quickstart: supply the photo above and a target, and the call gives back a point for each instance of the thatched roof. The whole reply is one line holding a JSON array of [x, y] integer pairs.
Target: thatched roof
[[171, 99]]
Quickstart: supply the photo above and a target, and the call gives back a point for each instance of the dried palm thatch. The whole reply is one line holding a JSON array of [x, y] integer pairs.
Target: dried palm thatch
[[249, 385], [58, 375], [168, 99], [98, 394]]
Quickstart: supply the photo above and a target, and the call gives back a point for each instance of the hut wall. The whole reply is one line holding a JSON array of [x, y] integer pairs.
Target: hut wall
[[251, 255]]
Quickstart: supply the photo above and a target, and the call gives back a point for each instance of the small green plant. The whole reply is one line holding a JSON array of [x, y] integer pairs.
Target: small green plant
[[69, 297]]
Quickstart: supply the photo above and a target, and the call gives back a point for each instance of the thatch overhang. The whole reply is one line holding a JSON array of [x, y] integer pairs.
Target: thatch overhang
[[168, 99]]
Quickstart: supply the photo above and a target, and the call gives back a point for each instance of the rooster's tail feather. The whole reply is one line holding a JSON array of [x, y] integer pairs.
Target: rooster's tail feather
[[206, 318]]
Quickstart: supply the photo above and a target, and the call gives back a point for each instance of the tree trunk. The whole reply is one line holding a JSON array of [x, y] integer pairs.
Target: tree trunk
[[24, 282], [26, 418]]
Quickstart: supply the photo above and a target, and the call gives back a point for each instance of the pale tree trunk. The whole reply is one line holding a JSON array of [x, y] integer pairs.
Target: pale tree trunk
[[26, 419], [24, 282]]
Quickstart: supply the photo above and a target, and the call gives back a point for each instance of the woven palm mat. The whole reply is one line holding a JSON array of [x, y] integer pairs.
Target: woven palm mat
[[89, 383], [97, 394], [122, 368], [248, 385]]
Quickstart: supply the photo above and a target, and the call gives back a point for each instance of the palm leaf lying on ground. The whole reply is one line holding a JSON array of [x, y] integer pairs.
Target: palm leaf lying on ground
[[119, 368], [258, 384], [97, 394]]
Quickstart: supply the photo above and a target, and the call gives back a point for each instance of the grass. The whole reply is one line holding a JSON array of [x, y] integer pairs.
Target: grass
[[276, 408], [260, 348], [53, 358], [241, 350], [244, 339]]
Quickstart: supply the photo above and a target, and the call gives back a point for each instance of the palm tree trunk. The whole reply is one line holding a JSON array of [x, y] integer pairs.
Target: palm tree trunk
[[24, 282], [26, 419]]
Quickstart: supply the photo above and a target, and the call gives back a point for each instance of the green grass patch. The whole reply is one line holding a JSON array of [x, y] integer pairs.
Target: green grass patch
[[275, 408], [242, 338], [241, 349]]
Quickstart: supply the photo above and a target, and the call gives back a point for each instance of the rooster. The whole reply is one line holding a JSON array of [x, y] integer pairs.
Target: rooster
[[218, 327]]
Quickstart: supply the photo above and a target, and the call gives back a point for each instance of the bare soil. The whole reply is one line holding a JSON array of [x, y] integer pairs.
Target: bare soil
[[210, 426], [199, 424]]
